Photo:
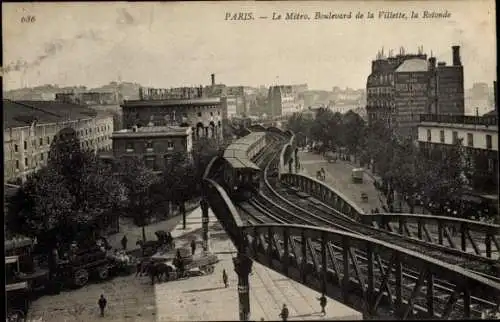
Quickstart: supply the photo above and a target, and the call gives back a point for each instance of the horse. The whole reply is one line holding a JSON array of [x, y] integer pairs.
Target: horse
[[158, 270]]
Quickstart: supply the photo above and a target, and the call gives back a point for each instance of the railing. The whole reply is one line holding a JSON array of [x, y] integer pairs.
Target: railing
[[472, 233], [324, 193], [375, 277], [460, 119]]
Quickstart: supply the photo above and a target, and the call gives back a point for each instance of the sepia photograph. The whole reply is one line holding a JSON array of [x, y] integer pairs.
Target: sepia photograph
[[250, 160]]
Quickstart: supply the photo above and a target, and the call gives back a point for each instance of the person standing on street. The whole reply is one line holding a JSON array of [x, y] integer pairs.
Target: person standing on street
[[322, 303], [193, 246], [124, 242], [224, 278], [102, 304], [284, 313]]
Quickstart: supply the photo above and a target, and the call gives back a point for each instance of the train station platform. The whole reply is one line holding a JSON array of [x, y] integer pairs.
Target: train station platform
[[204, 298]]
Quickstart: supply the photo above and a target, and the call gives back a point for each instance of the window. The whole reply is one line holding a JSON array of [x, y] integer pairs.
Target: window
[[150, 163], [86, 131], [429, 135], [48, 140], [488, 142], [129, 147], [490, 165], [455, 137], [41, 141], [41, 156], [470, 139], [170, 145], [199, 114], [25, 145], [149, 146], [211, 113], [25, 162], [17, 164], [16, 148], [441, 136], [33, 143]]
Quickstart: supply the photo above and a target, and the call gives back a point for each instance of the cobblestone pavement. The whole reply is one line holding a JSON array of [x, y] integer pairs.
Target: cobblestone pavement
[[129, 298]]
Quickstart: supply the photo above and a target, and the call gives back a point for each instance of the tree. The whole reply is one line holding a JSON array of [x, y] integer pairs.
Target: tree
[[182, 181], [203, 152], [138, 181], [353, 128]]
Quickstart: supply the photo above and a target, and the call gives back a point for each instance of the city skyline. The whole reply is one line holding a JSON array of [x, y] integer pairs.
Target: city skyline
[[161, 45]]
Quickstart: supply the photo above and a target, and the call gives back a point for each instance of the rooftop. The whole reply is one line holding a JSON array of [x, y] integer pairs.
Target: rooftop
[[154, 130], [23, 113], [172, 102], [413, 65], [487, 120]]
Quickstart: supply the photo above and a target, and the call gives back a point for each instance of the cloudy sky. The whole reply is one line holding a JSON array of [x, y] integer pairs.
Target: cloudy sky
[[176, 44]]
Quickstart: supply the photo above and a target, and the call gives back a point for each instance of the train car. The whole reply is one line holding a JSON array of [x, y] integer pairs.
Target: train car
[[241, 175]]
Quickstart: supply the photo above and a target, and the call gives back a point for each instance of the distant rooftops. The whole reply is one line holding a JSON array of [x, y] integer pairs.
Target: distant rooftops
[[487, 120], [153, 131], [172, 102], [413, 65], [25, 113]]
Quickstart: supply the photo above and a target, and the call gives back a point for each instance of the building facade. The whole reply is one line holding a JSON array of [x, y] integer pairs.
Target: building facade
[[204, 115], [479, 136], [154, 144], [285, 100], [31, 127], [402, 87]]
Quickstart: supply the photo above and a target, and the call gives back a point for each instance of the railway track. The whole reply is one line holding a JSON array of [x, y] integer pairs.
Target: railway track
[[281, 205]]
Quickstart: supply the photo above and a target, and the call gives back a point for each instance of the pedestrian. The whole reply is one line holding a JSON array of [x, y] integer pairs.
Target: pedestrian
[[102, 304], [284, 313], [224, 278], [193, 246], [124, 242], [322, 303]]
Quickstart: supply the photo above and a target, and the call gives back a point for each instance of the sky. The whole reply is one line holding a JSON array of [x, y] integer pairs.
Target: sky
[[174, 44]]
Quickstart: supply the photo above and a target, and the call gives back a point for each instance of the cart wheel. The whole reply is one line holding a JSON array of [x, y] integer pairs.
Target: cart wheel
[[81, 277], [103, 272], [209, 269]]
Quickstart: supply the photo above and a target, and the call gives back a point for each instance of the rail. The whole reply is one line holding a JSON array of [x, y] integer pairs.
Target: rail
[[311, 256]]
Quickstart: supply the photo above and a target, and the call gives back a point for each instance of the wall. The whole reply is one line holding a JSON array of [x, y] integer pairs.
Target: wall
[[160, 147], [479, 133], [193, 114], [94, 134], [450, 90], [410, 96]]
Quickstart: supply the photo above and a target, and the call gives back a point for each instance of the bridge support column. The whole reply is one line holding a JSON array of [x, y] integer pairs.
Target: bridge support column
[[243, 267], [204, 221]]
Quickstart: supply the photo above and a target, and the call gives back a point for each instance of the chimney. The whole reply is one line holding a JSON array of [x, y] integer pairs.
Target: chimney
[[432, 63], [213, 79], [456, 56]]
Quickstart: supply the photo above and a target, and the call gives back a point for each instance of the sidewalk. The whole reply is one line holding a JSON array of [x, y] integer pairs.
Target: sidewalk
[[204, 298]]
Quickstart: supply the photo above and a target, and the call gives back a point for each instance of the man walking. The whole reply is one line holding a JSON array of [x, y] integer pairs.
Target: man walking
[[224, 278], [284, 313], [102, 304], [124, 242], [322, 303], [193, 246]]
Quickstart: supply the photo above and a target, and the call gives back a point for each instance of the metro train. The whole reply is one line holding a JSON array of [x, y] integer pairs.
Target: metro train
[[241, 175]]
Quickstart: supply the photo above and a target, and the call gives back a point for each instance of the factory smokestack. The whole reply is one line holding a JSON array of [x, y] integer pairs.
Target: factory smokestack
[[213, 79], [456, 56]]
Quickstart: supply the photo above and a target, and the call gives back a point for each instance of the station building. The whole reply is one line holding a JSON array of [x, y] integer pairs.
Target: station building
[[31, 127]]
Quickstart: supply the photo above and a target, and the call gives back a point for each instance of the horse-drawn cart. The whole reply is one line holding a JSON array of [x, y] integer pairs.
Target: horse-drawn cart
[[180, 263]]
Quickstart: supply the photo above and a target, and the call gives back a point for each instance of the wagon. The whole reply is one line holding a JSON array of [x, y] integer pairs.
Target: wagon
[[203, 262]]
